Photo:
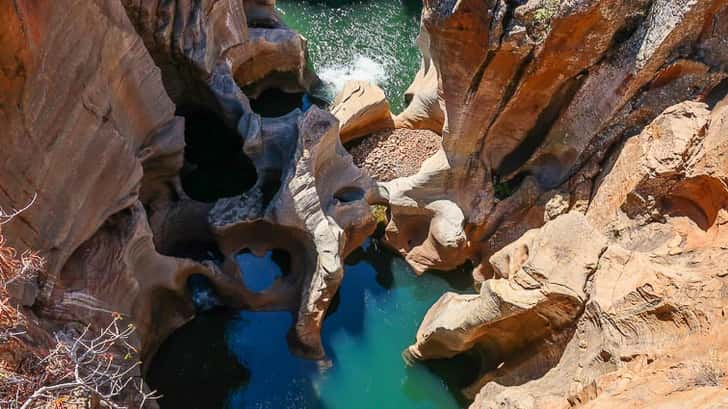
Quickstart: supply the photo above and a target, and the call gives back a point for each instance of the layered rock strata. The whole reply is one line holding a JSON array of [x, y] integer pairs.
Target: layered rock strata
[[93, 87], [532, 96], [597, 308]]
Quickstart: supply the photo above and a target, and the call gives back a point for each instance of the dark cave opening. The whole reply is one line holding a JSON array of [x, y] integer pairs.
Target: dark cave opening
[[274, 102], [215, 165]]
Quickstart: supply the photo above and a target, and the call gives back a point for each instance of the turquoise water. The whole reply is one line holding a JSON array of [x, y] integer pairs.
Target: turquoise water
[[370, 40], [259, 272], [374, 317]]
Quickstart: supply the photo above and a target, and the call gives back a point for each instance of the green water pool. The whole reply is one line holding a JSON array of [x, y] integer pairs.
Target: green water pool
[[240, 360], [370, 40]]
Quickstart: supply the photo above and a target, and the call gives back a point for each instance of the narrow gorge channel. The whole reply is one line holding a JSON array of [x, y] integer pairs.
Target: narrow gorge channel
[[363, 204], [236, 359]]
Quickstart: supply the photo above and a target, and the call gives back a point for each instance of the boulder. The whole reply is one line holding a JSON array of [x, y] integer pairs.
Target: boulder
[[540, 288], [276, 59], [362, 109]]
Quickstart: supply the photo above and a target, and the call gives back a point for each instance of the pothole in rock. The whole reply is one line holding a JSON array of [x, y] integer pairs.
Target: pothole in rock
[[273, 103], [240, 359], [215, 165], [259, 273], [196, 358]]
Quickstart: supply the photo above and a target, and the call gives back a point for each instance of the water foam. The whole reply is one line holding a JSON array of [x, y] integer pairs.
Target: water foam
[[361, 68]]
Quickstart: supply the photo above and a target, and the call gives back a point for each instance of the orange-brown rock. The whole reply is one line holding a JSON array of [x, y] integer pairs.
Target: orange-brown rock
[[87, 112], [362, 109], [608, 307], [88, 128], [535, 93]]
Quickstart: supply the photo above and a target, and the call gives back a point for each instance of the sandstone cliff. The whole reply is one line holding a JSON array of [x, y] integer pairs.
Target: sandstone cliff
[[610, 112], [595, 309], [90, 127], [532, 97]]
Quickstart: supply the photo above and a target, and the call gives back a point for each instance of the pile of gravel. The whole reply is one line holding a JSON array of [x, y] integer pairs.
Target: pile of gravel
[[394, 153]]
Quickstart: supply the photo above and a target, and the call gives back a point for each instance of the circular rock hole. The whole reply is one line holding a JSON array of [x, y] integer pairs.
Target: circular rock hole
[[259, 273]]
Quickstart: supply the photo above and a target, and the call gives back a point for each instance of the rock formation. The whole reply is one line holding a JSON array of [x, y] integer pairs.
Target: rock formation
[[575, 154], [423, 110], [533, 96], [314, 205], [594, 309], [603, 121], [361, 109], [93, 86]]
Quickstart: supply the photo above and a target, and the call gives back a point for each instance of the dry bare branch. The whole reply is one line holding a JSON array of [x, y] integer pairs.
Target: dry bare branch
[[97, 366]]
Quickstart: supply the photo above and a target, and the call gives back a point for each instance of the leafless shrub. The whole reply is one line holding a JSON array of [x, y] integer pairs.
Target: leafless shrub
[[8, 216], [91, 366]]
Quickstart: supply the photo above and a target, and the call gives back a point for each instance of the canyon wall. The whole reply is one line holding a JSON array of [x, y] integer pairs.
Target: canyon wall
[[531, 97], [583, 173], [581, 168], [98, 101], [624, 304]]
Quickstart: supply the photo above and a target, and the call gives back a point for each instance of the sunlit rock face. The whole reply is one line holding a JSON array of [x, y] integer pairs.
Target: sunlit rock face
[[89, 97], [599, 120], [532, 96], [362, 109], [89, 129], [595, 309]]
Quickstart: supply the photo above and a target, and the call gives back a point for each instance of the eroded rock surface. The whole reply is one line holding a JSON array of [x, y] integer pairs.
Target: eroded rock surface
[[315, 206], [88, 127], [601, 121], [362, 109], [596, 309], [532, 96], [93, 86], [541, 287]]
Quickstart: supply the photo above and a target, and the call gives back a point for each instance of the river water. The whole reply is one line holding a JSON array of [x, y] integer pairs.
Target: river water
[[370, 40], [240, 359]]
